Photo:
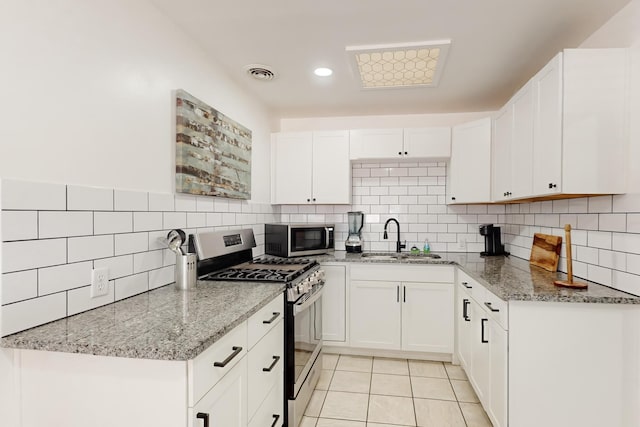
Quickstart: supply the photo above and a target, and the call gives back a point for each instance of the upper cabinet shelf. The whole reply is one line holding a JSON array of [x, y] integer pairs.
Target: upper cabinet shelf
[[421, 143]]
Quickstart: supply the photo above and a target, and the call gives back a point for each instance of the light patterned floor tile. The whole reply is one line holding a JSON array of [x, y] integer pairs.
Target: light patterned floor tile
[[432, 388], [308, 422], [464, 391], [355, 382], [325, 379], [474, 415], [354, 363], [391, 409], [420, 368], [315, 403], [391, 385], [390, 366], [455, 372], [346, 406], [328, 422], [430, 413], [329, 361]]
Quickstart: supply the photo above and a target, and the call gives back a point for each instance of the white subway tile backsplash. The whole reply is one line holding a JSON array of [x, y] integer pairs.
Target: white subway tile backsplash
[[118, 266], [195, 220], [204, 204], [162, 276], [146, 261], [633, 223], [64, 224], [214, 219], [626, 242], [599, 274], [613, 260], [19, 225], [27, 314], [125, 200], [19, 286], [626, 282], [29, 254], [174, 220], [633, 263], [228, 219], [186, 203], [27, 195], [613, 222], [626, 203], [112, 222], [147, 221], [79, 300], [586, 254], [131, 243], [161, 202], [588, 221], [600, 204], [80, 198], [131, 285], [64, 277], [88, 248]]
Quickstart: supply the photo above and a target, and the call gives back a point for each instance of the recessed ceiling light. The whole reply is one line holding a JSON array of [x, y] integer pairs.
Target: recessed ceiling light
[[323, 72], [400, 65]]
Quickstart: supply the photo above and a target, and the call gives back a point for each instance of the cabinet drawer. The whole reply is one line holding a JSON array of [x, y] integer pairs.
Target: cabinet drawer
[[203, 374], [403, 273], [265, 319], [497, 308], [266, 363], [473, 288], [270, 412]]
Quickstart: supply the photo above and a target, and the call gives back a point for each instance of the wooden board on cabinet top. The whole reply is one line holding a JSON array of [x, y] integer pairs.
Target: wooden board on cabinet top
[[545, 251]]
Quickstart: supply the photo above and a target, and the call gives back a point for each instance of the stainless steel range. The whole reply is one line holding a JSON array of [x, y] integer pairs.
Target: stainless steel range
[[227, 255]]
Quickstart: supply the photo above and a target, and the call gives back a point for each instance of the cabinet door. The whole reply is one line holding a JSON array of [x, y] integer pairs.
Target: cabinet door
[[501, 153], [226, 403], [547, 129], [291, 163], [427, 317], [375, 143], [498, 402], [434, 142], [331, 168], [470, 166], [522, 145], [480, 375], [464, 329], [374, 314], [334, 303]]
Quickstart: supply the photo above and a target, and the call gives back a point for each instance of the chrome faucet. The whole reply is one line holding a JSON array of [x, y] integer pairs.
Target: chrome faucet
[[399, 245]]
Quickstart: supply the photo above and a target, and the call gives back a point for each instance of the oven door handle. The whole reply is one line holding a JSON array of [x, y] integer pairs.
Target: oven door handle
[[299, 308]]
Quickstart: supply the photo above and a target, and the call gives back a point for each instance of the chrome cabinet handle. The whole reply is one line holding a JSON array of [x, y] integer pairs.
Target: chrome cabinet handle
[[275, 316], [236, 351], [490, 307], [275, 361], [204, 417]]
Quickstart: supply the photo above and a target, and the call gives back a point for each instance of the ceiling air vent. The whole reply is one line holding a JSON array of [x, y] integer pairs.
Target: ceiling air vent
[[260, 72]]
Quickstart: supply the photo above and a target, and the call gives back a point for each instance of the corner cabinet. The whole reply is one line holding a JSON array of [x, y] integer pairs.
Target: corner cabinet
[[470, 167], [310, 167], [397, 143], [394, 308]]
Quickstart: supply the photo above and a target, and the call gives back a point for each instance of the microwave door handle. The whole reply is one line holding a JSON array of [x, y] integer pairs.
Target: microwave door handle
[[326, 240]]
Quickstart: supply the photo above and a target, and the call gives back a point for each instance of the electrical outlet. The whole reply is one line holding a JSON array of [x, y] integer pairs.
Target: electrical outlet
[[99, 282], [462, 243]]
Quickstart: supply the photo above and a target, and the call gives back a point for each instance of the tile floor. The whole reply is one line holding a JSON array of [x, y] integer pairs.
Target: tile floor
[[355, 391]]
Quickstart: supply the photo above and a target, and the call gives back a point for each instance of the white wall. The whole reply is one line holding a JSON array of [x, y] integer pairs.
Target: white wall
[[87, 95]]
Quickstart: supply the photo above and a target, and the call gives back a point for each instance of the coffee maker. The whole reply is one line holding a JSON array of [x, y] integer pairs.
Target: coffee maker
[[355, 220], [492, 241]]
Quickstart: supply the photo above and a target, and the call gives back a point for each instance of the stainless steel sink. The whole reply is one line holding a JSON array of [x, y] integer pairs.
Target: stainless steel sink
[[392, 256]]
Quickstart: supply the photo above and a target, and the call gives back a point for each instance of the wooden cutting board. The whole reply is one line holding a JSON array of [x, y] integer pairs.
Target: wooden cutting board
[[545, 251]]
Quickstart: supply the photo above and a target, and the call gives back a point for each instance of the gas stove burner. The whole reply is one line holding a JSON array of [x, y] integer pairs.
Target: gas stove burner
[[283, 261]]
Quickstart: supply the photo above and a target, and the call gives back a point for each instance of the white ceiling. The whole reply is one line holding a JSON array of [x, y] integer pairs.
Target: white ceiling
[[497, 45]]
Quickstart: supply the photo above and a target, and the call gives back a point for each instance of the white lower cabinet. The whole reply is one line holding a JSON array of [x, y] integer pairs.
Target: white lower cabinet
[[482, 345], [334, 298], [411, 314]]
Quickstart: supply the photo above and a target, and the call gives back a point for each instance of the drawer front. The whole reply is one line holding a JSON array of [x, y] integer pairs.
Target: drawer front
[[403, 273], [473, 288], [203, 372], [270, 412], [265, 319], [497, 309], [266, 365]]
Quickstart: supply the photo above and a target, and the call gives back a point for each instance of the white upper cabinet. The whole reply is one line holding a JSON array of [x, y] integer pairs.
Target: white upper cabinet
[[433, 142], [470, 167], [501, 153], [310, 167], [522, 144]]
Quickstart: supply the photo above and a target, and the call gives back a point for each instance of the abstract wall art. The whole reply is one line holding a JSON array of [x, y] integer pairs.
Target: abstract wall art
[[213, 152]]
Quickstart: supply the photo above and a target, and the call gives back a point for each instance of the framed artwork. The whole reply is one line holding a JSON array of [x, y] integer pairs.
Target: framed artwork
[[213, 152]]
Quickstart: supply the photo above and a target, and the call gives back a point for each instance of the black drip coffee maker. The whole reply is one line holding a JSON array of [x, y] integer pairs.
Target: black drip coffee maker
[[492, 241]]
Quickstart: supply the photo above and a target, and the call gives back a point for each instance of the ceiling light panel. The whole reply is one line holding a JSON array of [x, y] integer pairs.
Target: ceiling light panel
[[400, 65]]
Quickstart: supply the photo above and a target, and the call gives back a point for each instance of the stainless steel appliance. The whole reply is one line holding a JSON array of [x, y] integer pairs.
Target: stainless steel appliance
[[354, 241], [492, 241], [289, 240], [227, 255]]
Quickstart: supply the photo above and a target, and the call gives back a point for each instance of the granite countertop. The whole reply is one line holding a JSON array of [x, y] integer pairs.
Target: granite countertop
[[165, 323], [509, 278]]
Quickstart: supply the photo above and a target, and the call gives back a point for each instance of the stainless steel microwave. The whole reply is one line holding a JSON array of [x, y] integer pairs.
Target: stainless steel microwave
[[289, 240]]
